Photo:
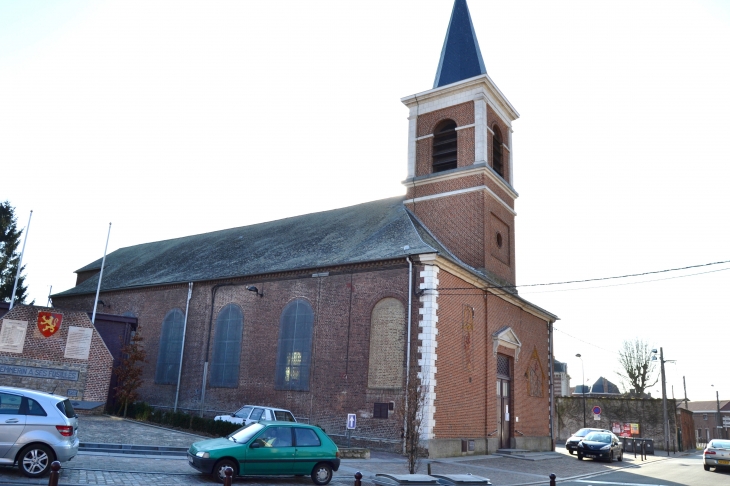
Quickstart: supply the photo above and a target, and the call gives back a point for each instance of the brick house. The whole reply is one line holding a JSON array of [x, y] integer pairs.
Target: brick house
[[333, 312], [708, 423]]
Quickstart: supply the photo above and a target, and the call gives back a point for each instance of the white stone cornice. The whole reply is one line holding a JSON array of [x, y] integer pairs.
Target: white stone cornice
[[463, 191], [477, 281], [465, 126], [464, 172], [430, 135], [468, 89]]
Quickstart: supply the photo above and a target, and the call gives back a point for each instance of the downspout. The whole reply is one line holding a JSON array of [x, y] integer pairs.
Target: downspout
[[182, 346], [408, 347], [551, 406]]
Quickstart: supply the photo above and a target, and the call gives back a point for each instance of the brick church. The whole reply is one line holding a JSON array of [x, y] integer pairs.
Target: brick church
[[343, 311]]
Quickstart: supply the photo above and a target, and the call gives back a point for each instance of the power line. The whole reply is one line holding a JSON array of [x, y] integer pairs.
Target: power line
[[599, 279]]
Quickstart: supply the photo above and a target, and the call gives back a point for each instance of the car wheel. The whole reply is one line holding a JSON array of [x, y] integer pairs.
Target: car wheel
[[610, 457], [580, 456], [35, 461], [322, 473], [219, 470], [707, 468], [570, 451], [621, 456]]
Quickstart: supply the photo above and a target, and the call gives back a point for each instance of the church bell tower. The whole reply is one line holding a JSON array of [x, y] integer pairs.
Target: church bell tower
[[460, 171]]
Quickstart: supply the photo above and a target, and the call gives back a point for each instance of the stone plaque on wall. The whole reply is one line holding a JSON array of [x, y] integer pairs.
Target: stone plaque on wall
[[12, 335], [78, 343]]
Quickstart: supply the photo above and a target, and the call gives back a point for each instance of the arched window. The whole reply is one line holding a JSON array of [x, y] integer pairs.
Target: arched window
[[387, 344], [444, 146], [227, 347], [295, 346], [497, 160], [168, 356]]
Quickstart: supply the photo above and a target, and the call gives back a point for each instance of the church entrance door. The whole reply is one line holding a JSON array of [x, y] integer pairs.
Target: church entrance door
[[504, 417]]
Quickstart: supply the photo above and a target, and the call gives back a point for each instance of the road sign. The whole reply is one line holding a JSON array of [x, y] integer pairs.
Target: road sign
[[596, 410], [351, 421], [726, 421]]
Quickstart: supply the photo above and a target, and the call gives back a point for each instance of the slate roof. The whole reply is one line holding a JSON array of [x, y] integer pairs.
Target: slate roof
[[602, 385], [705, 406], [372, 231], [559, 367], [461, 57]]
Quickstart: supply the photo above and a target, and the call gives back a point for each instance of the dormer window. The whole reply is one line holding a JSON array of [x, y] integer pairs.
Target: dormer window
[[444, 146], [497, 160]]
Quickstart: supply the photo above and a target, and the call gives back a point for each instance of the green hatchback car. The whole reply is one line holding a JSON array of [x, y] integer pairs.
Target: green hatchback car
[[269, 448]]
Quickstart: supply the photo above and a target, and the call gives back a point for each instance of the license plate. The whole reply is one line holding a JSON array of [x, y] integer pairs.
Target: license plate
[[723, 462], [591, 456], [190, 459]]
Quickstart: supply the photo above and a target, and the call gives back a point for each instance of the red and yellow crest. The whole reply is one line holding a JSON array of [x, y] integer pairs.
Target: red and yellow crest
[[49, 323]]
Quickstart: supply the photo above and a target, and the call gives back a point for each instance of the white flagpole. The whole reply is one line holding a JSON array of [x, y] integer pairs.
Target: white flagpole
[[101, 274], [20, 263]]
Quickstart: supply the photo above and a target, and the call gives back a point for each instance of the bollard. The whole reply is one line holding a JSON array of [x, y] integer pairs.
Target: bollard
[[358, 477], [229, 476], [552, 479], [429, 468], [55, 467], [634, 448]]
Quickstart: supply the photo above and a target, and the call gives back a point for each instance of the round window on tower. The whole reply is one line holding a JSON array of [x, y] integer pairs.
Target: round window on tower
[[499, 240]]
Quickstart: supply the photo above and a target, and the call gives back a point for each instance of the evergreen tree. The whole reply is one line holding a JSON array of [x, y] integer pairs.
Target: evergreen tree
[[10, 256]]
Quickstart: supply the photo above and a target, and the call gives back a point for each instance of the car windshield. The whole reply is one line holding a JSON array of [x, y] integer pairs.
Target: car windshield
[[598, 437], [719, 444], [243, 412], [243, 435], [582, 432]]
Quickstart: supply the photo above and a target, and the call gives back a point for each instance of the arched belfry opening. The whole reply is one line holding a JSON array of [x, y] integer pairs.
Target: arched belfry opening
[[444, 146], [497, 155]]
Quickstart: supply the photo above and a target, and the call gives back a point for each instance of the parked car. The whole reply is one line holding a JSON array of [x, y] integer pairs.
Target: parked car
[[264, 448], [572, 443], [716, 454], [36, 429], [249, 414], [601, 445]]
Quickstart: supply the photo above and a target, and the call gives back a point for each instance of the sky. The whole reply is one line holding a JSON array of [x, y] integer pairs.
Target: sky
[[173, 118]]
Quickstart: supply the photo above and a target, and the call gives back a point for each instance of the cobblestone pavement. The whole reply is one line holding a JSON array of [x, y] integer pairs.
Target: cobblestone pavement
[[122, 469]]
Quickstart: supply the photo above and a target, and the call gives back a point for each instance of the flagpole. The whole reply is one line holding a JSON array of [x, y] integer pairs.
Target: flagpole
[[20, 264], [101, 274]]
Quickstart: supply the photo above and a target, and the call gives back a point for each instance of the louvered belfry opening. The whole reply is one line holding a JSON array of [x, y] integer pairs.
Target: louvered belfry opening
[[497, 163], [444, 146]]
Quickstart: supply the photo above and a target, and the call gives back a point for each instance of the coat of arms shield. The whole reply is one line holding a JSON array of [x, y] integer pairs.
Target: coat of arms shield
[[49, 323]]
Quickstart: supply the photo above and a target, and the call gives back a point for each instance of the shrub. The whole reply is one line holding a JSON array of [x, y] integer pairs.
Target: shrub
[[146, 413]]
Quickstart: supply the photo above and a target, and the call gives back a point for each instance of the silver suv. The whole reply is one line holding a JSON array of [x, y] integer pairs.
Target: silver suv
[[36, 429], [249, 414]]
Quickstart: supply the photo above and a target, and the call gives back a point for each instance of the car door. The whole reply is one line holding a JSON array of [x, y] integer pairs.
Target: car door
[[256, 415], [270, 452], [308, 450], [12, 422]]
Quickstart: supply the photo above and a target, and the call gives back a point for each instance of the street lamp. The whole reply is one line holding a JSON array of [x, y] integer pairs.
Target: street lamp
[[583, 388], [664, 394]]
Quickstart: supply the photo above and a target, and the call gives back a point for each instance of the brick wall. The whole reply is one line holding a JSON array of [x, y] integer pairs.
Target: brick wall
[[48, 353]]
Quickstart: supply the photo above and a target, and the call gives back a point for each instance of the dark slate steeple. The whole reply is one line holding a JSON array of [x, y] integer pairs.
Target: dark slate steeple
[[460, 56]]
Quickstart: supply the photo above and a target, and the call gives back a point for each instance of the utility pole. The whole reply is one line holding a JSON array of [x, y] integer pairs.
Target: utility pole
[[583, 388], [685, 393], [719, 415], [664, 400]]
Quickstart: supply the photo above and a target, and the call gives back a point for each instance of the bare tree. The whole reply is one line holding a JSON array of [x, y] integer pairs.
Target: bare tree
[[410, 412], [129, 372], [637, 368]]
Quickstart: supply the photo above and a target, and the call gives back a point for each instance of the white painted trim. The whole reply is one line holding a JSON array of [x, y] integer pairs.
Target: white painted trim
[[464, 173], [508, 339], [430, 135], [462, 92], [463, 191], [412, 131], [465, 126], [428, 327]]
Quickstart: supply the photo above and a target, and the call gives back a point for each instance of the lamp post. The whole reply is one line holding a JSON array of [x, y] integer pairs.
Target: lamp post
[[664, 395], [583, 388]]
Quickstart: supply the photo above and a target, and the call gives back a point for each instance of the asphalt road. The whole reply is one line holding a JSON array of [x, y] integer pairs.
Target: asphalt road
[[684, 471]]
